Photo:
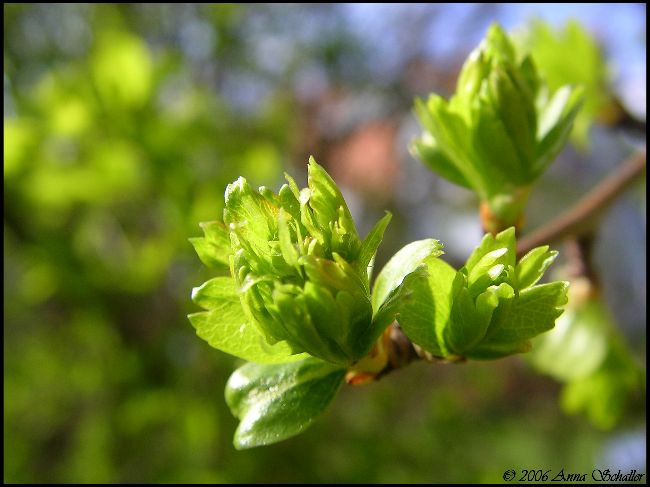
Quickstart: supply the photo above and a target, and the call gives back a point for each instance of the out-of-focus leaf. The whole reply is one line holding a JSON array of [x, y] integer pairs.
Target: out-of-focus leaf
[[570, 56], [585, 352], [122, 69], [604, 394], [577, 346], [19, 138]]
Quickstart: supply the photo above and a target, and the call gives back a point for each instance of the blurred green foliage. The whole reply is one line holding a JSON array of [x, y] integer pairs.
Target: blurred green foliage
[[107, 169], [118, 139], [586, 352], [582, 62]]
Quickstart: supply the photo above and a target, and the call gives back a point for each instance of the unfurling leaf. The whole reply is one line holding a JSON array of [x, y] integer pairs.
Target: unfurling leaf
[[488, 309]]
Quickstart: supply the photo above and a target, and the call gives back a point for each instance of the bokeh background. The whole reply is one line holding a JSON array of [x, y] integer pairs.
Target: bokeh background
[[122, 126]]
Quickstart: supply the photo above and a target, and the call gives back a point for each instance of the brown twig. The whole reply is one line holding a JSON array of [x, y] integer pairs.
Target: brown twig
[[583, 216]]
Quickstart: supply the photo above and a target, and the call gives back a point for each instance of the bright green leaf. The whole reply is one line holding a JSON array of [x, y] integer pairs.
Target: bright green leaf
[[250, 216], [556, 124], [226, 327], [504, 239], [289, 252], [425, 300], [213, 249], [217, 234], [493, 143], [302, 328], [533, 311], [487, 270], [372, 241], [428, 152], [470, 320], [499, 130], [572, 56], [405, 261], [328, 205], [531, 267], [210, 254]]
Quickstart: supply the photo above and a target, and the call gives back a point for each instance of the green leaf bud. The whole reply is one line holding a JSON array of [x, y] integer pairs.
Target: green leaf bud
[[490, 308], [299, 267], [500, 130]]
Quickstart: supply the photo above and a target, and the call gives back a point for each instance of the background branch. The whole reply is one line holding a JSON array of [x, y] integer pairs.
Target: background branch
[[583, 216]]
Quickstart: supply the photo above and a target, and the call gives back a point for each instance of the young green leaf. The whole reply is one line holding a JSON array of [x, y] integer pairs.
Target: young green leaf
[[490, 308], [427, 150], [328, 212], [504, 239], [571, 56], [533, 311], [214, 248], [211, 255], [252, 218], [405, 261], [275, 402], [532, 266], [556, 124], [289, 252], [372, 241], [217, 234], [226, 327], [487, 270], [425, 300], [471, 320]]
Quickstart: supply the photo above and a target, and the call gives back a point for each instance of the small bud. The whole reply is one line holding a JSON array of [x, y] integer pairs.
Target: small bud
[[500, 129], [299, 269]]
